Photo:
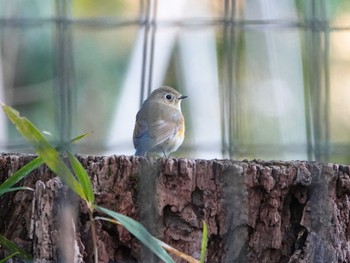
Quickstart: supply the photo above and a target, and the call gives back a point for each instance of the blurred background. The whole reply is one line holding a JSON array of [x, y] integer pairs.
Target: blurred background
[[264, 79]]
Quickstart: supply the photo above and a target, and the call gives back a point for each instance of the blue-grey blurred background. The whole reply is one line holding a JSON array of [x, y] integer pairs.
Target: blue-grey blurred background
[[264, 79]]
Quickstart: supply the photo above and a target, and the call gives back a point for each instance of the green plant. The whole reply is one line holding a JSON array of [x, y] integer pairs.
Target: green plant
[[14, 250], [79, 182]]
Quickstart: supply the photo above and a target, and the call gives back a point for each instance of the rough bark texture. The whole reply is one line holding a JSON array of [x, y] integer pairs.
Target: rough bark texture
[[256, 211]]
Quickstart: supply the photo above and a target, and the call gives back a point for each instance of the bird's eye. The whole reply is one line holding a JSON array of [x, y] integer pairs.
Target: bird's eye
[[168, 97]]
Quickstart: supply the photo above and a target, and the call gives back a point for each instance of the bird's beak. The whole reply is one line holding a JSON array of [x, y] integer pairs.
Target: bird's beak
[[182, 97]]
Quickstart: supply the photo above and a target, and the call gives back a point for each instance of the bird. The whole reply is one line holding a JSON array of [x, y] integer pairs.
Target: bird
[[160, 124]]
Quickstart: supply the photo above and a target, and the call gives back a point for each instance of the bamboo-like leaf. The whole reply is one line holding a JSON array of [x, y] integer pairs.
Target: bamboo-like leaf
[[8, 257], [82, 177], [26, 169], [48, 153], [204, 242], [161, 243], [140, 232], [7, 190], [79, 137], [20, 174], [74, 140], [13, 248], [108, 220], [177, 252]]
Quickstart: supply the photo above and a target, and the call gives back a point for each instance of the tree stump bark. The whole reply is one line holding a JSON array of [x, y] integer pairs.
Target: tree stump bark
[[256, 211]]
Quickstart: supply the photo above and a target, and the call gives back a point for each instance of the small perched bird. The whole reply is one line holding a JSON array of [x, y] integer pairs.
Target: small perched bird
[[159, 126]]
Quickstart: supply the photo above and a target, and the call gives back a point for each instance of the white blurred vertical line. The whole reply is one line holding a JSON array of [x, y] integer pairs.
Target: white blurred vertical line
[[64, 70], [148, 22], [199, 67], [152, 44], [3, 126], [226, 81], [276, 86], [9, 44]]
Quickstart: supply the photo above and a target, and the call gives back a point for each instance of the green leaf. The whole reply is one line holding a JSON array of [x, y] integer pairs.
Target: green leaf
[[25, 170], [13, 248], [79, 137], [83, 177], [140, 232], [204, 242], [20, 174], [8, 257], [48, 153], [74, 140], [7, 190]]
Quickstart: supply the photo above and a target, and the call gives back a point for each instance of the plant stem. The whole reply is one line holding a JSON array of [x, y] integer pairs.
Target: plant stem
[[93, 234]]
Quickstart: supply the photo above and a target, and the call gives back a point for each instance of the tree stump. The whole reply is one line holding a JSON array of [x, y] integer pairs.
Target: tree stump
[[256, 211]]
